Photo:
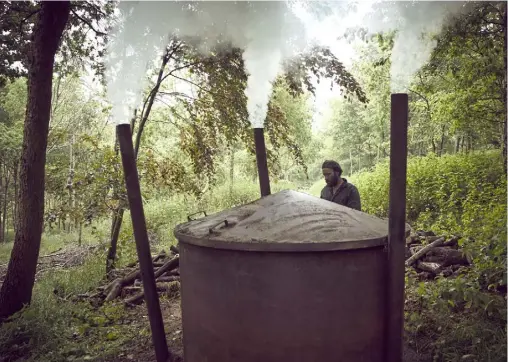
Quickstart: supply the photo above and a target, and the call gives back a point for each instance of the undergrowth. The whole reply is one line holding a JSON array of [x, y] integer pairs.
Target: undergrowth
[[461, 195], [449, 318]]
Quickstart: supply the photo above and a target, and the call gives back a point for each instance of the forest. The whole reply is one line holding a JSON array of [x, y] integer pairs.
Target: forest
[[65, 227]]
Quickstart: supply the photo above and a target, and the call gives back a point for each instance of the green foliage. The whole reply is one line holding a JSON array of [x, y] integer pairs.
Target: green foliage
[[17, 20], [455, 194], [44, 325]]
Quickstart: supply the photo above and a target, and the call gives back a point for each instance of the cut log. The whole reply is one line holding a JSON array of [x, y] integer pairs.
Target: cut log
[[135, 299], [447, 271], [162, 287], [453, 242], [421, 253], [168, 266], [426, 276], [415, 249], [130, 289], [446, 256], [433, 238], [131, 277], [407, 252], [433, 268], [114, 292], [167, 279], [174, 249], [159, 256]]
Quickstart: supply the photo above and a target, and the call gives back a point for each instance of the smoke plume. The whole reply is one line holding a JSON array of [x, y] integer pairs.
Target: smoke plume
[[411, 20], [266, 30]]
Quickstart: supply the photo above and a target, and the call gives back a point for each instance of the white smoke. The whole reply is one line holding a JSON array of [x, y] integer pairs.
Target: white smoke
[[267, 31], [414, 23]]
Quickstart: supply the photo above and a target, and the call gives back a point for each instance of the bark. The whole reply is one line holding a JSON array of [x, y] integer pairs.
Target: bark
[[446, 256], [504, 93], [15, 201], [169, 265], [16, 290], [433, 268], [115, 232], [421, 253], [174, 249], [3, 199], [231, 171], [151, 99], [6, 200], [441, 145], [80, 233]]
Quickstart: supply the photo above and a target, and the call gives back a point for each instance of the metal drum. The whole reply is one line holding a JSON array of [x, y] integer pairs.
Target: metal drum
[[289, 277]]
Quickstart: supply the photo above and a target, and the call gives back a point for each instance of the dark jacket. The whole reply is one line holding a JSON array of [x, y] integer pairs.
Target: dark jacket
[[346, 195]]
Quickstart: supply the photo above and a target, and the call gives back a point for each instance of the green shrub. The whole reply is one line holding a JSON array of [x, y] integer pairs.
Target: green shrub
[[452, 194]]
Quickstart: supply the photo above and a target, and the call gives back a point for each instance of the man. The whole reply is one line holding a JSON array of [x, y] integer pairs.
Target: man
[[337, 189]]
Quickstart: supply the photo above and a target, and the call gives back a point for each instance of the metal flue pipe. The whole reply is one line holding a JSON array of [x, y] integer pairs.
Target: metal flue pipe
[[142, 244], [264, 180], [396, 228]]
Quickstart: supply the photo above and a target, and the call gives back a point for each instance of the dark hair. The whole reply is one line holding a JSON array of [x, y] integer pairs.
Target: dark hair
[[333, 165]]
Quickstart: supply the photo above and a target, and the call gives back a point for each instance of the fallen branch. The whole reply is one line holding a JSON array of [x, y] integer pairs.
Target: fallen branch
[[138, 298], [55, 253], [421, 253]]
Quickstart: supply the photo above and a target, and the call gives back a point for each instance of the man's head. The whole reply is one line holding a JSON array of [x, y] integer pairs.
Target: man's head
[[332, 172]]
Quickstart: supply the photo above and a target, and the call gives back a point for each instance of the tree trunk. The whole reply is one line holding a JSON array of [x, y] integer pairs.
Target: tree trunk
[[351, 162], [231, 171], [115, 232], [505, 84], [80, 233], [4, 216], [441, 146], [16, 198], [3, 199], [457, 144], [17, 287]]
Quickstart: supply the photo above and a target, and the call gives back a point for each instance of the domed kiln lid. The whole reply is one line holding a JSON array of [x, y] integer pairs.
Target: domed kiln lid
[[286, 221]]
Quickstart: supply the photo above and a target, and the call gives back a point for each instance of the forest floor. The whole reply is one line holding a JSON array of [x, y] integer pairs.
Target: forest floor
[[59, 328]]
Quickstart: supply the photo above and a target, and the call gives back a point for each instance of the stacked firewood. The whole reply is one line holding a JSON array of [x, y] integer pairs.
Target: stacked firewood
[[128, 286], [432, 255]]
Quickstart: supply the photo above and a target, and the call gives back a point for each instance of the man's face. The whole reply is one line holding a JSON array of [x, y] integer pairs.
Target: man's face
[[331, 177]]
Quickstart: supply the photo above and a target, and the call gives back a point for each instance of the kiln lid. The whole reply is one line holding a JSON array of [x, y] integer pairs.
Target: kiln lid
[[286, 221]]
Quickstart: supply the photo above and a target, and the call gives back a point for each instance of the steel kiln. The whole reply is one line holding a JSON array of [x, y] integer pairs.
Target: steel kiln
[[289, 277]]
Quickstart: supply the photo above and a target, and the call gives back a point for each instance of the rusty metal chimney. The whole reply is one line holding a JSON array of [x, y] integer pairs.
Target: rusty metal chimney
[[264, 180], [396, 228], [142, 244]]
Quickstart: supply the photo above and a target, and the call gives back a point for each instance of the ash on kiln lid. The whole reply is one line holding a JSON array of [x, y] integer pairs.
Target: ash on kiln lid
[[286, 221]]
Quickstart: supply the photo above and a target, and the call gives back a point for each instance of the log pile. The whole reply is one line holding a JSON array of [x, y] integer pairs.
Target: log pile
[[127, 285], [432, 255]]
